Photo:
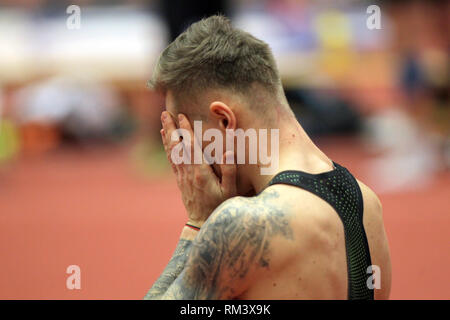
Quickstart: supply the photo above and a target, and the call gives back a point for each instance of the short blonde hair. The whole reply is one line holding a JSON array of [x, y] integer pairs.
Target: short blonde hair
[[212, 54]]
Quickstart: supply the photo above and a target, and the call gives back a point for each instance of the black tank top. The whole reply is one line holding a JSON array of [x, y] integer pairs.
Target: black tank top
[[340, 189]]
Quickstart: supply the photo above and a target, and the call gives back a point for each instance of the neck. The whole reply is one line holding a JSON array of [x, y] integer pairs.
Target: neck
[[296, 152]]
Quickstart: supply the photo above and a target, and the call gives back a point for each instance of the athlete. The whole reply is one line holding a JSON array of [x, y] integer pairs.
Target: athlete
[[310, 230]]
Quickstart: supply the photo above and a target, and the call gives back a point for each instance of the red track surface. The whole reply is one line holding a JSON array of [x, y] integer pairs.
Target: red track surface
[[94, 210]]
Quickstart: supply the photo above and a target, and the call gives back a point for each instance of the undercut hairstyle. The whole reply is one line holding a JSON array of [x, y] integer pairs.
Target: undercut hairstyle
[[212, 54]]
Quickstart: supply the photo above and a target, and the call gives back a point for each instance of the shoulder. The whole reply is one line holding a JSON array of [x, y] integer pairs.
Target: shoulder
[[235, 242], [371, 200], [259, 214]]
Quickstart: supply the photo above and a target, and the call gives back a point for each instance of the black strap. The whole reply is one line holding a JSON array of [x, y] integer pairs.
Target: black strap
[[341, 190]]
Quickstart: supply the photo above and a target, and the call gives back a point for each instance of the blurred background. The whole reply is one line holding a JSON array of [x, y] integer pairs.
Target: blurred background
[[83, 177]]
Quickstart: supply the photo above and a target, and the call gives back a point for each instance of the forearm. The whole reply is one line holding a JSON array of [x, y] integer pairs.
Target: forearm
[[175, 265]]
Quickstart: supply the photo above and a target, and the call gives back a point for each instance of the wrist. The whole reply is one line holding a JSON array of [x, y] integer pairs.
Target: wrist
[[188, 233], [195, 223], [192, 227]]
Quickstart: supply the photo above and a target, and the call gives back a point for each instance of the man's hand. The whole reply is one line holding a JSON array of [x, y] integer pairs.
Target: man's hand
[[201, 189]]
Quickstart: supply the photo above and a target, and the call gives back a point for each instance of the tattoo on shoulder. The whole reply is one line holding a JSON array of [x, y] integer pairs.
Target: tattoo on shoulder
[[236, 240]]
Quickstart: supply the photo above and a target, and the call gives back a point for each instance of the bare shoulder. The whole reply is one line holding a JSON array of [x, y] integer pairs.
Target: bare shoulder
[[259, 213], [236, 241], [377, 238], [371, 200]]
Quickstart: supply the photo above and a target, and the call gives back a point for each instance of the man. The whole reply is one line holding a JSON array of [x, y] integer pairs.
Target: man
[[298, 234]]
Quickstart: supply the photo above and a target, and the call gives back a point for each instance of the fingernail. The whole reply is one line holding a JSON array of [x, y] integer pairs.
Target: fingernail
[[164, 115], [180, 117]]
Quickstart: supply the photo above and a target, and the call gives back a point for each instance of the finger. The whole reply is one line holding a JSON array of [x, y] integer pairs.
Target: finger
[[169, 132], [185, 124], [162, 138], [195, 140], [169, 127], [164, 141], [228, 168], [189, 142], [202, 171], [166, 148]]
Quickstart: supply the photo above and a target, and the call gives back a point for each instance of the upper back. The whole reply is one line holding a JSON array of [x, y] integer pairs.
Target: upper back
[[312, 262]]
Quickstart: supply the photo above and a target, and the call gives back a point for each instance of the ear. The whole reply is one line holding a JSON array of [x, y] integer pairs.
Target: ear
[[224, 115]]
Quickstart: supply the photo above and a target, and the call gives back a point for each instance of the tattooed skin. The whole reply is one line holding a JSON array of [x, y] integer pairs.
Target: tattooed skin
[[233, 242], [171, 272]]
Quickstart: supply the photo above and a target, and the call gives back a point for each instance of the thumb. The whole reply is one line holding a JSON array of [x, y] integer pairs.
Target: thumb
[[228, 169]]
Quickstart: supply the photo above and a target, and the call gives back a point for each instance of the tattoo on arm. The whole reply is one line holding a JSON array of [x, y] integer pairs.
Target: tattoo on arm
[[232, 243], [172, 270]]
